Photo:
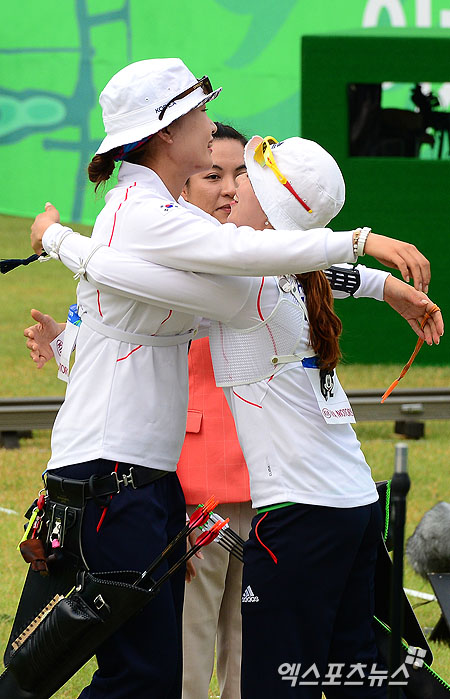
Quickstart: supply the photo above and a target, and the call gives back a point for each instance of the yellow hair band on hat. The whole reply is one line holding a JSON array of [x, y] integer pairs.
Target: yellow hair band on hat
[[264, 156]]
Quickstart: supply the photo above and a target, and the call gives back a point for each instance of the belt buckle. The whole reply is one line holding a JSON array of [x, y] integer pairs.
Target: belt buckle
[[127, 479]]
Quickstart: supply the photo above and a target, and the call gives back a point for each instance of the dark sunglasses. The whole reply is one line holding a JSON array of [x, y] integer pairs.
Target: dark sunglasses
[[204, 83]]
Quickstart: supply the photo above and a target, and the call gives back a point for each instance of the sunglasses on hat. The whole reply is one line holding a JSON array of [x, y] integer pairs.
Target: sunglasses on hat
[[204, 83], [264, 156]]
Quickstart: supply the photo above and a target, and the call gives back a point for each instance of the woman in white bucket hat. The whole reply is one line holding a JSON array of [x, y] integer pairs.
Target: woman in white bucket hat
[[115, 420], [309, 563]]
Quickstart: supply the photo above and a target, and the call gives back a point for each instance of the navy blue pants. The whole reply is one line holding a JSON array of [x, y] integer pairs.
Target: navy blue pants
[[144, 657], [314, 606]]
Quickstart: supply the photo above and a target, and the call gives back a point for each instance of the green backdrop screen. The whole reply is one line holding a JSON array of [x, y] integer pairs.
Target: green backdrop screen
[[55, 57]]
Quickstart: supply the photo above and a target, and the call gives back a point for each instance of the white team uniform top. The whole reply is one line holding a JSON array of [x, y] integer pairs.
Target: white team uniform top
[[292, 454], [128, 402]]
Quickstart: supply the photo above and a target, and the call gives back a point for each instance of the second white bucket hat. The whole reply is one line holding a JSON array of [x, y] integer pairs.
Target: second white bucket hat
[[310, 171]]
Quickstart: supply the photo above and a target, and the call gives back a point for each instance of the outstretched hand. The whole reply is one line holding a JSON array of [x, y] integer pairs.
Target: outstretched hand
[[40, 335], [40, 225], [402, 256], [412, 305]]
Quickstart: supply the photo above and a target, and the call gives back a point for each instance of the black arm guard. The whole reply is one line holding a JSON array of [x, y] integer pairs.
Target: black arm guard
[[343, 279]]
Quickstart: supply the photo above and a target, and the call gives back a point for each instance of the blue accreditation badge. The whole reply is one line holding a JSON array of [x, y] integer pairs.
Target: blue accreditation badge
[[73, 316]]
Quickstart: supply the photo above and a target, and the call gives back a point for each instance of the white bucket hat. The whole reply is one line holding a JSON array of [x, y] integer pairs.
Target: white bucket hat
[[136, 97], [314, 189]]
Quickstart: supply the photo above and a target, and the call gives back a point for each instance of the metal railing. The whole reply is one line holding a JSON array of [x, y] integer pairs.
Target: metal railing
[[20, 415]]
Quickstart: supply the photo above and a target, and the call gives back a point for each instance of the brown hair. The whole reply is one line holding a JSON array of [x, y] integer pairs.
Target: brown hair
[[325, 326], [102, 166]]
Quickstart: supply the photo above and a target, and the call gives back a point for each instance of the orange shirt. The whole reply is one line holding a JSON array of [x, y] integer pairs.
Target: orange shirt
[[211, 461]]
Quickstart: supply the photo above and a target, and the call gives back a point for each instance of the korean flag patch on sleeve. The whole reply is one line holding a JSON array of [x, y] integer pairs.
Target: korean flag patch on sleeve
[[167, 207]]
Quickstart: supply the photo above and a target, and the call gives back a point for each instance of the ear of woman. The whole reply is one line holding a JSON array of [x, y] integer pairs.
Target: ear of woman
[[165, 134]]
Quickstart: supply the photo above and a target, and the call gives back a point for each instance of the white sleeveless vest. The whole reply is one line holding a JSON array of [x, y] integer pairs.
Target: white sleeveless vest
[[250, 355]]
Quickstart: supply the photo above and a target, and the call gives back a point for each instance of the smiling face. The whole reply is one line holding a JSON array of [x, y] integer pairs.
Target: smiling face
[[247, 211], [214, 189]]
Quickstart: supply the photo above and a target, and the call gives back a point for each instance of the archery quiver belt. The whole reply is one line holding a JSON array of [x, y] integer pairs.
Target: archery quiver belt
[[68, 631], [63, 617], [57, 567]]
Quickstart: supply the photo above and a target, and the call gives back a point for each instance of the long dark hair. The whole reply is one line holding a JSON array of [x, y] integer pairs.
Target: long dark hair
[[325, 326]]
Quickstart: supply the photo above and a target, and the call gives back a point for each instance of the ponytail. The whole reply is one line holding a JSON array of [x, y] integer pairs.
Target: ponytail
[[101, 168], [325, 326]]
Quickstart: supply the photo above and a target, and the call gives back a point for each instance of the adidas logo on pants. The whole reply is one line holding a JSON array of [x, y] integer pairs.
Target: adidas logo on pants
[[249, 596]]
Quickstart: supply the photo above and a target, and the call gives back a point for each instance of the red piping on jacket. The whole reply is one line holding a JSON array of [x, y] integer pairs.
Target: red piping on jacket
[[246, 401], [98, 303], [258, 303], [258, 306], [112, 233], [163, 321], [117, 211], [127, 355]]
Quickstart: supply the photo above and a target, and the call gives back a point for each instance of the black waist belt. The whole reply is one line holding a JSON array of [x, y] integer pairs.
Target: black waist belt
[[76, 493]]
